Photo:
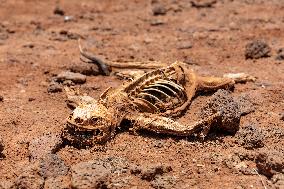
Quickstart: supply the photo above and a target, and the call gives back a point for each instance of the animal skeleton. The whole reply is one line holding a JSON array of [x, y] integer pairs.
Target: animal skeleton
[[149, 102]]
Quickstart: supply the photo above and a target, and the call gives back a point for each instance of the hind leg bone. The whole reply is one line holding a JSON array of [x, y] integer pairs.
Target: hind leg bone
[[160, 124]]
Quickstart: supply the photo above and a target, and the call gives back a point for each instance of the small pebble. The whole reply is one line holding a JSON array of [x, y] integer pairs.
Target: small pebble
[[282, 116], [157, 22], [31, 99], [159, 9], [54, 88], [58, 11], [68, 18], [280, 54], [184, 45]]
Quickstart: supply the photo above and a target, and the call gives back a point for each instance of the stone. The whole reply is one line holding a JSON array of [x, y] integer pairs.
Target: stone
[[89, 174], [44, 145], [257, 49], [222, 101], [77, 78]]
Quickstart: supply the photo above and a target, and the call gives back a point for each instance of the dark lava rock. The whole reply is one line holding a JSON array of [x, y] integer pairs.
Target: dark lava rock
[[163, 182], [280, 54], [85, 69], [257, 49], [74, 77], [270, 162], [250, 137], [52, 166], [44, 145], [61, 182], [89, 174], [30, 179], [54, 88], [1, 98], [151, 171], [222, 101]]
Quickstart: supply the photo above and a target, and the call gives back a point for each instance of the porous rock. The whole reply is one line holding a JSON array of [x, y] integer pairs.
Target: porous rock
[[163, 182], [250, 136], [52, 166], [89, 174], [62, 182], [245, 104], [257, 49], [150, 172], [221, 101], [99, 173], [29, 178], [44, 145], [270, 162]]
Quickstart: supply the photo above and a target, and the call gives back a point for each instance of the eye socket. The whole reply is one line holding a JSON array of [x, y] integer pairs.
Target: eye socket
[[78, 120], [70, 116], [94, 119]]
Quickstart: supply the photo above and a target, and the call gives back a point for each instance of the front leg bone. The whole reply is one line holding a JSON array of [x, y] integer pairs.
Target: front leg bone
[[160, 124], [75, 98]]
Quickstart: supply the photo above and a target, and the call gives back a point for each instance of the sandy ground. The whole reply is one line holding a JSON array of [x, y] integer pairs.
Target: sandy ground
[[37, 43]]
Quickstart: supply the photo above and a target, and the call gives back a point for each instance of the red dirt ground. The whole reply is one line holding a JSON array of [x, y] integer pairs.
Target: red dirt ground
[[34, 47]]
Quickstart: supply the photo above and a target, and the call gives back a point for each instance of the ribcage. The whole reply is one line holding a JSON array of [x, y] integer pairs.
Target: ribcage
[[160, 96], [158, 91]]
